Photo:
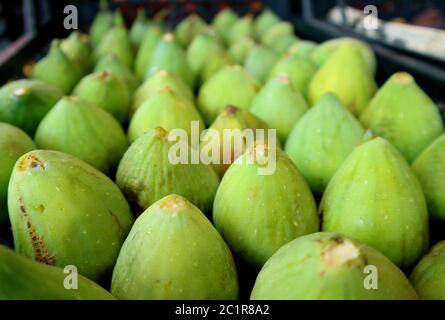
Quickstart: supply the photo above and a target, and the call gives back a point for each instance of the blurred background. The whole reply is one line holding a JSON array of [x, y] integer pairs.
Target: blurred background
[[410, 34]]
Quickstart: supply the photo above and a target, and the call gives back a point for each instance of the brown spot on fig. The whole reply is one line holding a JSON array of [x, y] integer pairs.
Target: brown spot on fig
[[30, 162]]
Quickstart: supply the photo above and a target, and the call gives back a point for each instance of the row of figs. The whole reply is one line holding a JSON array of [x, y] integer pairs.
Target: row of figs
[[359, 171]]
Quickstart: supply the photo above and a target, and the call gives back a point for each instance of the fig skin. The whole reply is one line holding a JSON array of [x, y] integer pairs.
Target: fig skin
[[347, 76], [241, 29], [231, 85], [321, 140], [264, 22], [375, 197], [88, 132], [146, 174], [170, 241], [257, 214], [13, 144], [77, 47], [188, 28], [430, 169], [259, 62], [329, 266], [223, 23], [65, 212], [145, 52], [428, 277], [102, 22], [402, 113], [25, 279], [24, 103]]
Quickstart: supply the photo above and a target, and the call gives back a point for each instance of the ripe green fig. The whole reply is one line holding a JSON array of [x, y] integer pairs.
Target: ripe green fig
[[57, 69], [260, 61], [215, 63], [25, 279], [223, 23], [231, 85], [117, 42], [106, 91], [102, 22], [324, 51], [168, 55], [402, 113], [277, 31], [164, 109], [264, 22], [113, 65], [256, 211], [188, 28], [88, 132], [329, 266], [138, 28], [299, 70], [24, 103], [241, 29], [13, 144], [279, 105], [150, 171], [430, 169], [145, 52], [65, 212], [236, 120], [346, 75], [428, 277], [303, 49], [282, 44], [321, 141], [77, 47], [168, 243], [201, 48], [376, 198], [159, 81], [239, 50]]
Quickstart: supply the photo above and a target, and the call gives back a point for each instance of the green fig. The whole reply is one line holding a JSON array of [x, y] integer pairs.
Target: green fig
[[113, 65], [159, 81], [303, 49], [403, 114], [168, 55], [279, 105], [65, 212], [168, 243], [102, 22], [106, 91], [324, 51], [13, 144], [77, 47], [88, 132], [231, 85], [430, 169], [201, 48], [346, 75], [264, 22], [223, 23], [188, 28], [25, 279], [215, 63], [24, 103], [239, 50], [258, 213], [117, 42], [260, 61], [57, 69], [138, 28], [329, 266], [234, 119], [241, 29], [428, 277], [321, 141], [376, 198], [299, 70], [145, 52], [282, 44], [148, 171], [277, 31], [164, 109]]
